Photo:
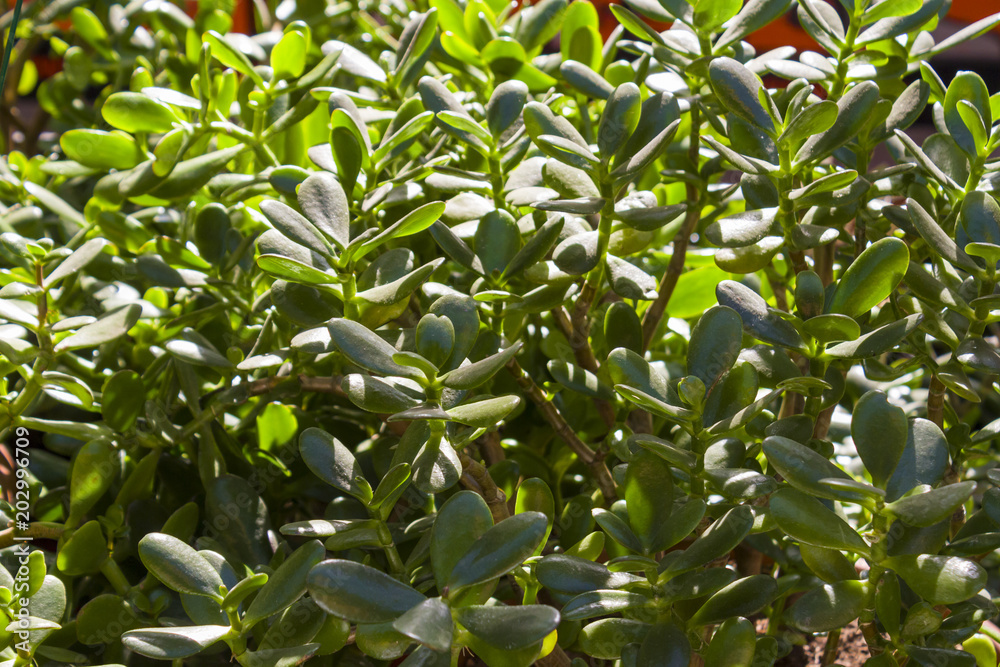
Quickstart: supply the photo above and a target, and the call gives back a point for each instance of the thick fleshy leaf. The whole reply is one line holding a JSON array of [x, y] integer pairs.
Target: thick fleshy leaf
[[743, 597], [602, 603], [332, 462], [757, 319], [879, 430], [359, 593], [803, 518], [322, 199], [715, 344], [871, 277], [737, 89], [367, 349], [829, 607], [923, 461], [804, 469], [939, 579], [286, 585], [498, 551], [509, 627], [649, 493], [113, 325], [733, 644], [173, 643], [854, 110], [931, 507], [717, 540], [179, 566], [484, 413], [429, 623]]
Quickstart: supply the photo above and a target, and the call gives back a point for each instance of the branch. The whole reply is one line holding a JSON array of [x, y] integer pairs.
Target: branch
[[476, 477], [584, 357], [592, 459], [41, 530], [651, 320]]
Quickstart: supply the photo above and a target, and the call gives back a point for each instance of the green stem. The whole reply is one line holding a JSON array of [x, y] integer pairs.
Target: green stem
[[116, 577]]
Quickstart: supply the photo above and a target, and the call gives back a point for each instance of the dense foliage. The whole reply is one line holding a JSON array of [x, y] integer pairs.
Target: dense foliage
[[453, 329]]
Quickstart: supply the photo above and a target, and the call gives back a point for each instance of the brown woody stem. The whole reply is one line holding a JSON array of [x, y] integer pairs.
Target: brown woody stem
[[651, 320], [551, 413]]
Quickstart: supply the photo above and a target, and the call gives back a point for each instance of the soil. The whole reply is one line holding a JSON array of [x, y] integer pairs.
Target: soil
[[852, 651]]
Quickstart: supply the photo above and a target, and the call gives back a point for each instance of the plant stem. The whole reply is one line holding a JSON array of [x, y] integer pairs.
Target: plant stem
[[935, 401], [830, 649], [651, 320], [584, 357], [590, 458], [476, 477]]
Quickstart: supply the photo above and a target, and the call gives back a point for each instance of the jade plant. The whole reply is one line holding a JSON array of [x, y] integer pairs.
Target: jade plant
[[460, 332]]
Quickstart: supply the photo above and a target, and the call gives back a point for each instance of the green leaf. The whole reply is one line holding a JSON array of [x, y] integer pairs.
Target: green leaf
[[297, 228], [324, 203], [804, 469], [604, 639], [755, 15], [484, 413], [619, 119], [286, 585], [715, 344], [743, 597], [366, 349], [890, 8], [135, 113], [871, 278], [84, 551], [709, 15], [288, 56], [665, 645], [649, 493], [229, 56], [879, 430], [509, 627], [967, 87], [94, 470], [463, 519], [499, 550], [579, 380], [358, 593], [939, 579], [476, 373], [294, 270], [803, 518], [829, 607], [758, 320], [574, 575], [173, 643], [179, 566], [412, 223], [876, 342], [737, 89], [428, 623], [101, 150], [111, 326], [732, 645], [854, 110], [718, 539], [333, 463], [504, 107], [603, 603], [540, 23], [497, 241], [931, 507]]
